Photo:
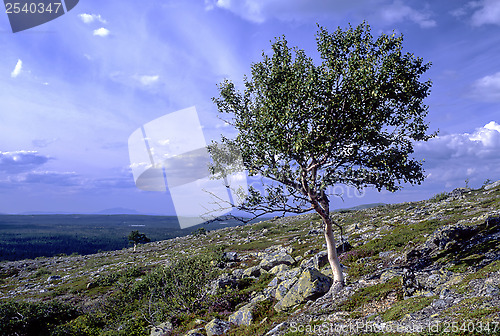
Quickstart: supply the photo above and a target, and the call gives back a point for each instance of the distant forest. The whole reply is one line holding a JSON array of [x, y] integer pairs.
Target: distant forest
[[31, 236]]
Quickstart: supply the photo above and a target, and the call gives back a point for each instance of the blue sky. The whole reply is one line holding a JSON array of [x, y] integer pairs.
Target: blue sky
[[74, 89]]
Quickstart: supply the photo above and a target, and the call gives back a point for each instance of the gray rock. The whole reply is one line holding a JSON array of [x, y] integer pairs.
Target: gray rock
[[243, 316], [492, 185], [311, 284], [53, 277], [279, 268], [217, 327], [274, 283], [253, 271], [283, 288], [409, 283], [222, 283], [286, 275], [196, 332], [274, 259], [162, 329], [449, 237], [277, 329], [230, 256], [238, 273]]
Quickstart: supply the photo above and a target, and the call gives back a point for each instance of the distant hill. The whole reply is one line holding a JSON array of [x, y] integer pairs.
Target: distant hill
[[118, 211]]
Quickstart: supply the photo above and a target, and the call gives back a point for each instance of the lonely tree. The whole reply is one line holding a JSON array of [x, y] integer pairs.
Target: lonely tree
[[303, 127]]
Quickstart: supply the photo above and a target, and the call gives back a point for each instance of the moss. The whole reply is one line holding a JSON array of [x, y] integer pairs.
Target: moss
[[401, 308]]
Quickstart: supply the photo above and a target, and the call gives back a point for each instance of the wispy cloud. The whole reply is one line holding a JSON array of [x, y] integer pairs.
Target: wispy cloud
[[259, 11], [101, 32], [488, 13], [17, 69], [148, 80], [480, 12], [487, 88], [399, 12], [89, 18]]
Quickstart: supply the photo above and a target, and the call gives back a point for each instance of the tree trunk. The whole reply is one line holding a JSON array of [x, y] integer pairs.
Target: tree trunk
[[135, 246], [338, 276]]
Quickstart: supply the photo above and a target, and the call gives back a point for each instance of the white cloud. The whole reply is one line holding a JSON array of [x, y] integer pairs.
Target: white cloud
[[487, 88], [148, 80], [17, 69], [89, 18], [481, 12], [398, 12], [488, 13], [450, 159], [101, 32]]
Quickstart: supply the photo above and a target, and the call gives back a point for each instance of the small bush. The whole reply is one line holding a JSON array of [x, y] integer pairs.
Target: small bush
[[33, 319]]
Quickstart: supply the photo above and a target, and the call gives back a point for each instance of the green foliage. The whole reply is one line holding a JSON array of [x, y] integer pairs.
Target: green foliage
[[352, 119], [33, 319], [138, 238], [199, 231], [180, 286], [439, 197]]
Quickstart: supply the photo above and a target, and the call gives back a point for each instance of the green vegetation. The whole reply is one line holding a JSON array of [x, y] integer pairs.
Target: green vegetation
[[373, 293], [411, 305]]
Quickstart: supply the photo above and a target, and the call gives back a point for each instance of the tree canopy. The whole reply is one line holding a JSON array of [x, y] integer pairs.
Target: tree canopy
[[351, 120]]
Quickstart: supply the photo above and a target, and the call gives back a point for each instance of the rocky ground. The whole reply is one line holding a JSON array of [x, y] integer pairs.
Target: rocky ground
[[422, 268]]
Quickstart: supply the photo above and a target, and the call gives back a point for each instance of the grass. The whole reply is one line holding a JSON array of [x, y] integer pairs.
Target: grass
[[369, 294], [401, 308]]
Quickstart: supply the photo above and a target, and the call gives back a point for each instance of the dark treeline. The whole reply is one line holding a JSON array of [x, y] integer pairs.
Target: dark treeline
[[31, 236]]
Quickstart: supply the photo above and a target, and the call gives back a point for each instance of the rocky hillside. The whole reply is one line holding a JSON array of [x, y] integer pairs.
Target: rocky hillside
[[422, 268]]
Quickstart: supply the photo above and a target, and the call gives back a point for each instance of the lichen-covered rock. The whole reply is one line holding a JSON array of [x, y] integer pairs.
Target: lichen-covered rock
[[410, 283], [283, 288], [243, 316], [217, 327], [292, 273], [279, 268], [274, 259], [253, 271], [230, 256], [161, 329], [310, 285], [196, 332], [449, 237]]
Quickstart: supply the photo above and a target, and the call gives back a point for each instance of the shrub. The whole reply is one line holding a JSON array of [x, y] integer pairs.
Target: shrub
[[33, 319]]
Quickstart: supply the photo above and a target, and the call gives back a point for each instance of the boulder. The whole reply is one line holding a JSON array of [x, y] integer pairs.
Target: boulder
[[449, 237], [253, 271], [492, 185], [222, 283], [279, 268], [274, 259], [196, 332], [310, 285], [238, 273], [243, 316], [230, 256], [293, 273], [53, 278], [409, 283], [217, 327], [161, 329], [283, 288]]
